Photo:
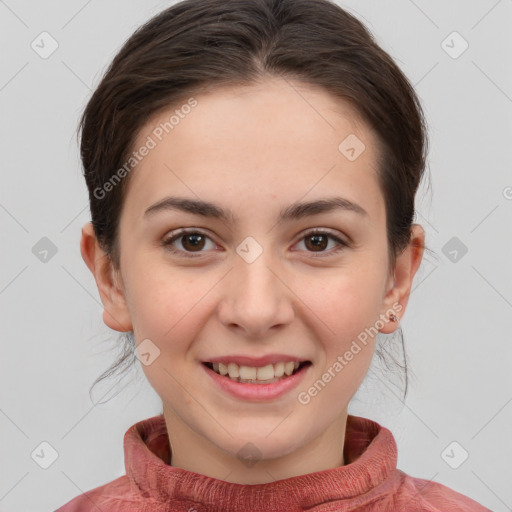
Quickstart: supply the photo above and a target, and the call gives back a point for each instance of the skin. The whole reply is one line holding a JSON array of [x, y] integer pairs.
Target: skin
[[254, 150]]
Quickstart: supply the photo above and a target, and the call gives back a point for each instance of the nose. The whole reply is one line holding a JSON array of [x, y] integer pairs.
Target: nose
[[256, 298]]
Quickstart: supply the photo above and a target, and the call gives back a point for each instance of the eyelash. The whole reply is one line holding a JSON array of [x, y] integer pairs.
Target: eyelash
[[167, 243]]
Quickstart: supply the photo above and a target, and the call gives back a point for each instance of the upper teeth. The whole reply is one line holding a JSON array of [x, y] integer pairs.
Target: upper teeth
[[267, 372]]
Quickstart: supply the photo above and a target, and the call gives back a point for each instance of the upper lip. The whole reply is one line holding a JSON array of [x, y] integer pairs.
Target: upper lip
[[256, 361]]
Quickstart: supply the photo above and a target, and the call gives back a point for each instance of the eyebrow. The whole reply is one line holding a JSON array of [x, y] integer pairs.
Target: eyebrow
[[295, 211]]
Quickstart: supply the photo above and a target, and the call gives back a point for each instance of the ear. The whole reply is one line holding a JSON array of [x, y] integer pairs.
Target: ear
[[115, 312], [407, 263]]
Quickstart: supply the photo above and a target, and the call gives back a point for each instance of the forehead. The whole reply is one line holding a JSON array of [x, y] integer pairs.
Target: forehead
[[279, 138]]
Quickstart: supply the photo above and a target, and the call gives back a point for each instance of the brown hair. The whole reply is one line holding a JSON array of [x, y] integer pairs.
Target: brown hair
[[202, 44]]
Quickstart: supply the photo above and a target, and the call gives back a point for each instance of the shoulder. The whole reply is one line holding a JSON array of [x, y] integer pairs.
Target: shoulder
[[427, 495], [118, 493]]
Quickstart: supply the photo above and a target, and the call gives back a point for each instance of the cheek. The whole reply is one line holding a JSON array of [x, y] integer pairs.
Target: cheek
[[346, 311], [165, 305], [346, 302]]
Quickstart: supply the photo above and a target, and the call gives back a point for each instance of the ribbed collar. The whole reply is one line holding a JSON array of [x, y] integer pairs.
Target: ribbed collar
[[370, 453]]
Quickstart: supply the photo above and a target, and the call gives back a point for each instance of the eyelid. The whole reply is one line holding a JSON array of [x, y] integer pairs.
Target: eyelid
[[342, 241], [181, 232], [324, 231], [334, 235]]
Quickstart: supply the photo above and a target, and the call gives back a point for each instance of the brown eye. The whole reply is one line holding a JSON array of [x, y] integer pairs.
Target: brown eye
[[187, 242], [193, 241], [318, 242]]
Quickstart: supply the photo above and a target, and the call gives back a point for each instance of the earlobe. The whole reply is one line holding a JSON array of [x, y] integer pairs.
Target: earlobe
[[115, 310], [407, 264]]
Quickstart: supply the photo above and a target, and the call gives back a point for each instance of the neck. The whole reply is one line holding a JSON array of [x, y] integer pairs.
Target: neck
[[240, 461]]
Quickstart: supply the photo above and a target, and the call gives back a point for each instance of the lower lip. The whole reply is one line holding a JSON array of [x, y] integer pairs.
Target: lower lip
[[257, 392]]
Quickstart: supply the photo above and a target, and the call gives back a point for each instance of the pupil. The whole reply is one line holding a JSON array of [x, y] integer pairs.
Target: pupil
[[196, 243], [317, 243]]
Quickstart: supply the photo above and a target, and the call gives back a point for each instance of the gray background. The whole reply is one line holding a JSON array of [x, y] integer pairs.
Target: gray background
[[458, 323]]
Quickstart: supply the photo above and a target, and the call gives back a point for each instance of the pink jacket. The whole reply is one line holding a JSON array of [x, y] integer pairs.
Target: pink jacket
[[369, 481]]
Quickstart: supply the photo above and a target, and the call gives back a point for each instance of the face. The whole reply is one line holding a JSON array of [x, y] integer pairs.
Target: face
[[257, 280]]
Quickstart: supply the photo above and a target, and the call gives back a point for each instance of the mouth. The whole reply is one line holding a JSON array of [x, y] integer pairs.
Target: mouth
[[267, 374]]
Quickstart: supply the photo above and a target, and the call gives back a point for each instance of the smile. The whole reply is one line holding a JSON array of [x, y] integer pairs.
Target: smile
[[256, 375], [265, 387]]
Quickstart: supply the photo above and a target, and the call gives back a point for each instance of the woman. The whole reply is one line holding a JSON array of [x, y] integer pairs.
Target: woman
[[252, 169]]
